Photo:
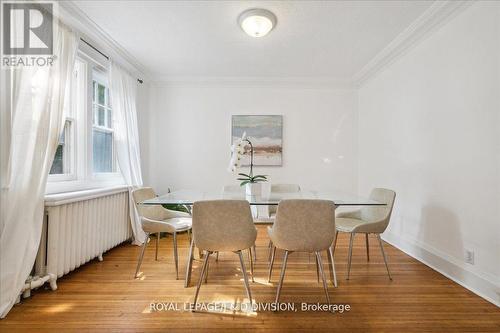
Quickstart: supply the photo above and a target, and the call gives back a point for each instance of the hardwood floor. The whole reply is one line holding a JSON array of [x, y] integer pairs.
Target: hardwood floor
[[103, 296]]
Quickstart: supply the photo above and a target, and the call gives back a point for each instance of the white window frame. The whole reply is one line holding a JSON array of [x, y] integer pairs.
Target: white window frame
[[69, 153], [70, 146], [100, 78], [82, 175]]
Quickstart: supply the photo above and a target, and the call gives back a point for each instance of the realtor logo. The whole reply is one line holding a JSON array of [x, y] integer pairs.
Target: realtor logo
[[27, 28]]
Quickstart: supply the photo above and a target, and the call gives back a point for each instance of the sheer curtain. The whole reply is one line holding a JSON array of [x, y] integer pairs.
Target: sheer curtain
[[123, 89], [36, 121]]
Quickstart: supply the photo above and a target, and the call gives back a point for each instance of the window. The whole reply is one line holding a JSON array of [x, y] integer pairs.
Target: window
[[102, 128], [63, 166], [85, 156], [62, 162]]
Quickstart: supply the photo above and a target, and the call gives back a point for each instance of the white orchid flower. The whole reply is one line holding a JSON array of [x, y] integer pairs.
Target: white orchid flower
[[237, 151]]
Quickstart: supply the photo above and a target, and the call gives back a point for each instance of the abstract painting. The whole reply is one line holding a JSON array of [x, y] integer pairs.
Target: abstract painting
[[266, 134]]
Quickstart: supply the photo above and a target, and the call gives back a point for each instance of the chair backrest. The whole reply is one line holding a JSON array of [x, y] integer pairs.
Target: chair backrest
[[304, 225], [379, 214], [153, 212], [282, 188], [143, 193], [223, 225], [285, 188], [232, 189]]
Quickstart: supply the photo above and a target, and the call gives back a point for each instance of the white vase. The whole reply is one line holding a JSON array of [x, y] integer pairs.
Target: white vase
[[253, 189]]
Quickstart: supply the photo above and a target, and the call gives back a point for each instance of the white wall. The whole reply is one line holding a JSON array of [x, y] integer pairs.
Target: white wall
[[190, 134], [143, 119], [429, 128]]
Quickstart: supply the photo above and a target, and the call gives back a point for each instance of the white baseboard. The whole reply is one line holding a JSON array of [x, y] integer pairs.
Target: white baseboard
[[477, 283]]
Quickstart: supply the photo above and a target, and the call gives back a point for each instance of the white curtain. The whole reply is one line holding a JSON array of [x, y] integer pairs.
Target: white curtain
[[36, 121], [123, 98]]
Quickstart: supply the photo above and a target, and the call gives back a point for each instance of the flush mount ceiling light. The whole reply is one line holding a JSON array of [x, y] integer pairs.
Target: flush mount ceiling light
[[257, 22]]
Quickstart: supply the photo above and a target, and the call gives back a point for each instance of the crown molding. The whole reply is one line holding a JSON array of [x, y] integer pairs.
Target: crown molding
[[236, 81], [73, 16], [435, 16]]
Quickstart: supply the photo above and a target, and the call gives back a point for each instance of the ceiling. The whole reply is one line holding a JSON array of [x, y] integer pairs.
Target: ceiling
[[326, 39]]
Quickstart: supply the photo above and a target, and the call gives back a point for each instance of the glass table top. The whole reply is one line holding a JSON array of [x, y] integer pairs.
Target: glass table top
[[188, 197]]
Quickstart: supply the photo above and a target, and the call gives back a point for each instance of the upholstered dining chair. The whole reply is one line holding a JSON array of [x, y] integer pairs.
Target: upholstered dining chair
[[304, 226], [233, 189], [237, 190], [223, 226], [279, 188], [156, 219], [367, 220], [282, 188]]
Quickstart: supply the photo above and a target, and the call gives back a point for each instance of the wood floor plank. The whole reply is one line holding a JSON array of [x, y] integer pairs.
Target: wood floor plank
[[104, 296]]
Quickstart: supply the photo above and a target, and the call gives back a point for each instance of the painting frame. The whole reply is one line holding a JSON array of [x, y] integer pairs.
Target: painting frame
[[275, 130]]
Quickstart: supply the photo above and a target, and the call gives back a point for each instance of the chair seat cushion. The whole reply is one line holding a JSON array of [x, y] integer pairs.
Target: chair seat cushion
[[347, 224], [180, 223]]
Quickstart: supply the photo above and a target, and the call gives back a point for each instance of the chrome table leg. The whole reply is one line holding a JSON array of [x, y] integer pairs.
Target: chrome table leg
[[189, 265], [349, 260], [335, 241], [157, 245], [367, 248], [176, 258]]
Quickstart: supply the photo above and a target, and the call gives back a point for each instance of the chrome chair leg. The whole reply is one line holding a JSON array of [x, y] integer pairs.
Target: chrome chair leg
[[333, 273], [206, 271], [176, 258], [270, 249], [189, 265], [273, 255], [320, 264], [349, 260], [202, 273], [254, 251], [251, 256], [141, 255], [282, 276], [383, 254], [157, 244], [245, 276], [335, 242], [317, 266], [367, 248]]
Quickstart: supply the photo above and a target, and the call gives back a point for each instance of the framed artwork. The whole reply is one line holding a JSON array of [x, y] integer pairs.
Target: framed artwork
[[266, 134]]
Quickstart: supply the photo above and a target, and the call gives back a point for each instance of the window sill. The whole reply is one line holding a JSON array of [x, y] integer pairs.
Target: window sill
[[57, 199], [95, 181]]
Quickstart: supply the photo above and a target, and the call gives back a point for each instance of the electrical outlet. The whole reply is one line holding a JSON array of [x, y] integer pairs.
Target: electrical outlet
[[469, 256]]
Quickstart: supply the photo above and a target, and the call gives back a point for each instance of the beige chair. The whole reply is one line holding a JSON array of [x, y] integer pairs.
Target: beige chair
[[282, 188], [304, 226], [223, 225], [233, 192], [285, 188], [367, 220], [233, 189], [156, 219], [279, 188]]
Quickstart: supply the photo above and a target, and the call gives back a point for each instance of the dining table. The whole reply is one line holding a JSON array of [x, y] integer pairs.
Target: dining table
[[260, 204]]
